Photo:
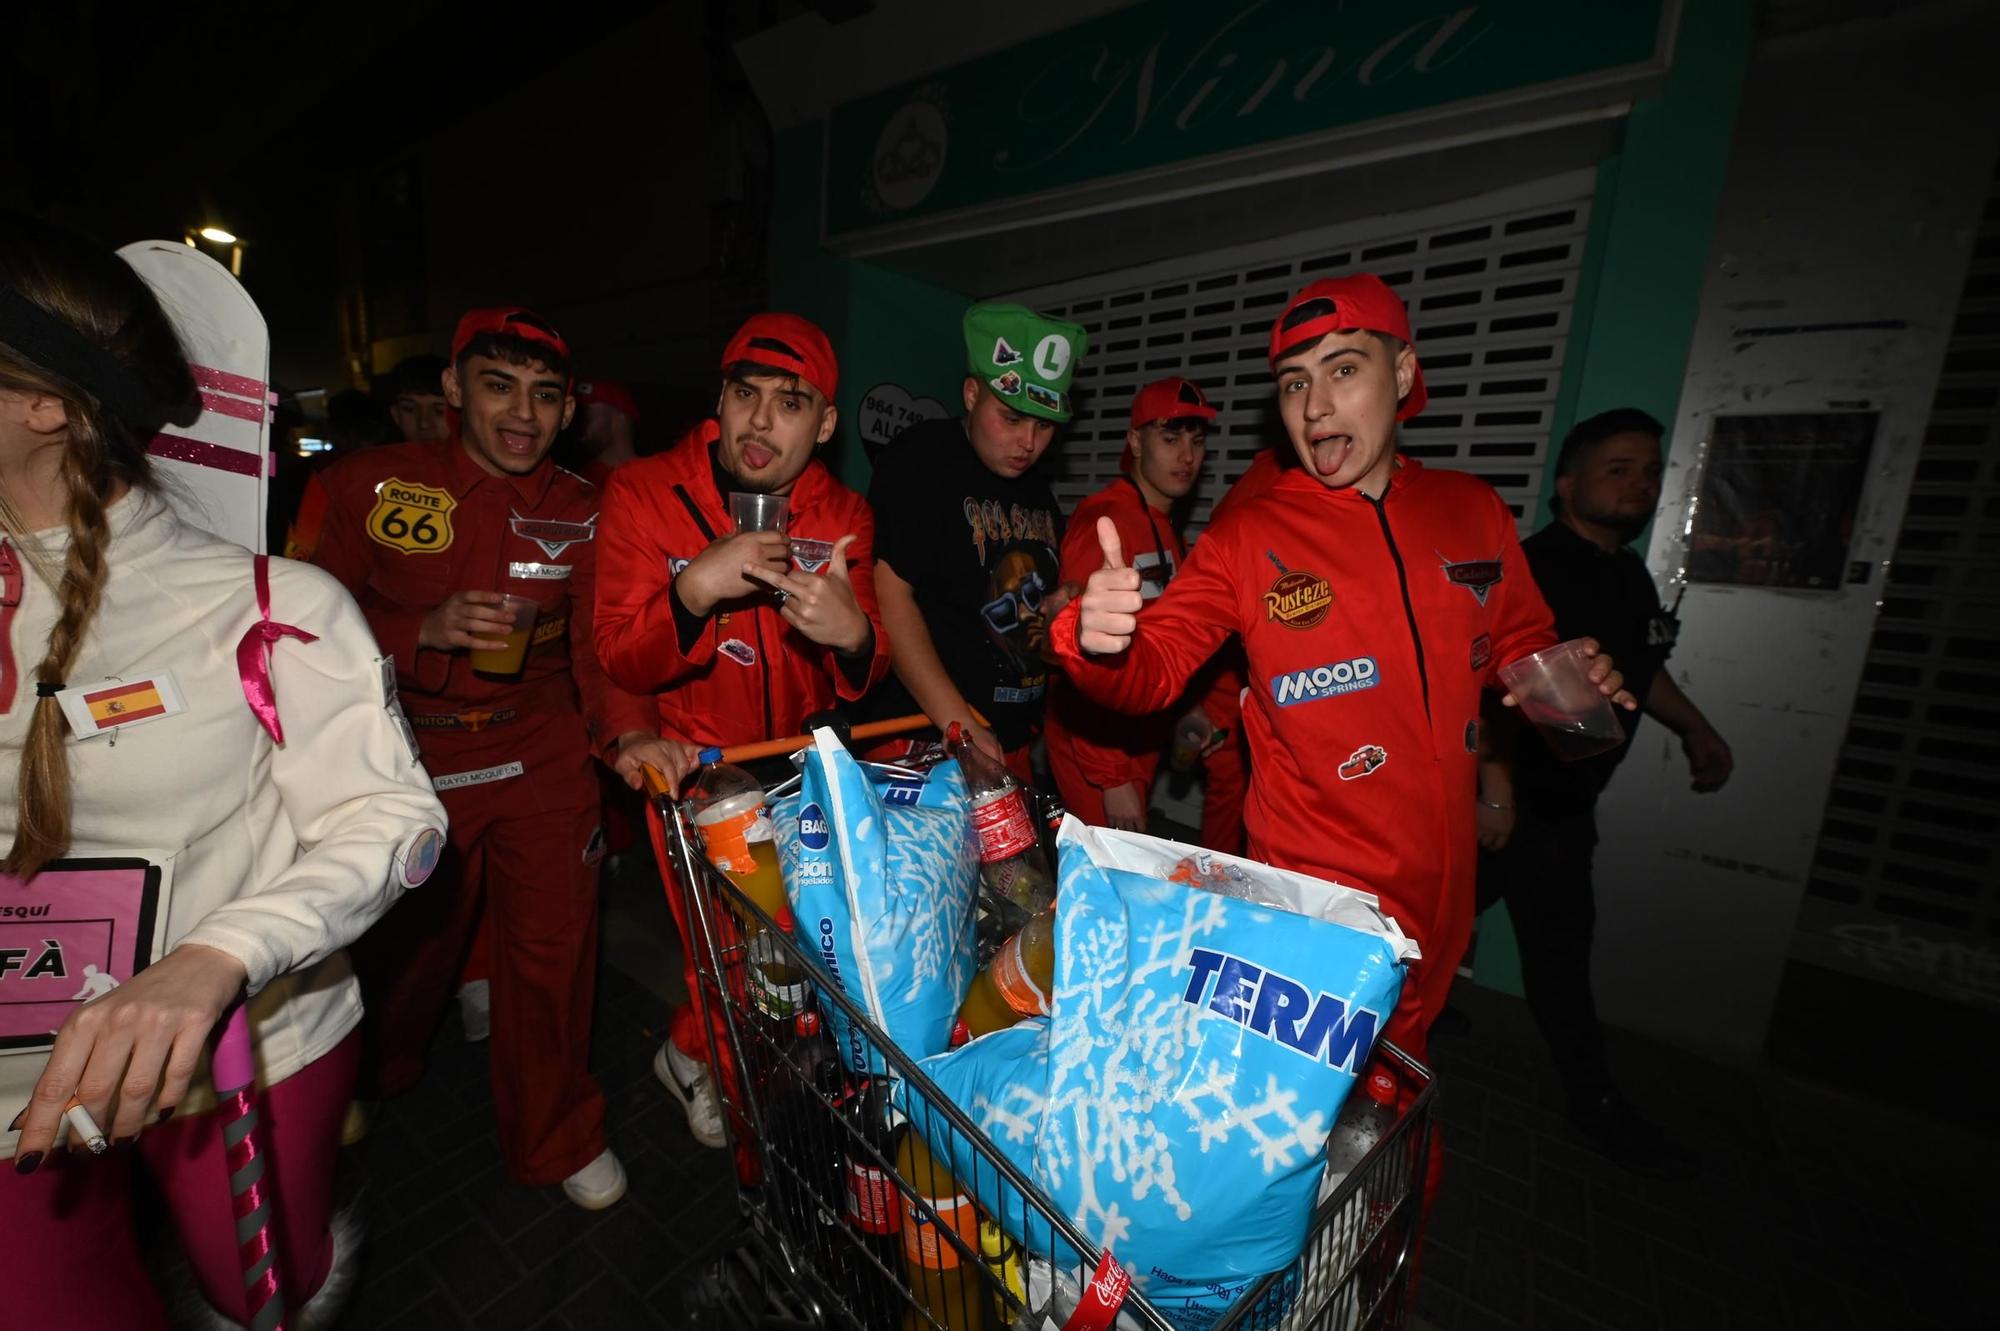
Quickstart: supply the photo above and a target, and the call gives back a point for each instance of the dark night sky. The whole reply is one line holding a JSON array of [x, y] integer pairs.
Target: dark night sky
[[251, 114]]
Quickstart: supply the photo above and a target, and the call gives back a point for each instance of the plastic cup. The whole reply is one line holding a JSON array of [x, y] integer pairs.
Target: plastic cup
[[507, 660], [758, 512], [1554, 690]]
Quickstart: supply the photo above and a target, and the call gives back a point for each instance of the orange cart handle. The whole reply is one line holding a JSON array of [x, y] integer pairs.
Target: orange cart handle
[[771, 748], [656, 781]]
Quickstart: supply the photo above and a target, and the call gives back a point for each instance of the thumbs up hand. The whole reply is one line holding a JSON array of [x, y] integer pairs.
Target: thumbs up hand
[[821, 606], [1111, 599]]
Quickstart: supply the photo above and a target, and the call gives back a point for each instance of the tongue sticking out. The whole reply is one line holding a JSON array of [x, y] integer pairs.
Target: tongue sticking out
[[1328, 454], [756, 457]]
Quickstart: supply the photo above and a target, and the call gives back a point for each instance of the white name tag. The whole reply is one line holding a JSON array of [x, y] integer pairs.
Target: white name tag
[[107, 705], [478, 778], [542, 572]]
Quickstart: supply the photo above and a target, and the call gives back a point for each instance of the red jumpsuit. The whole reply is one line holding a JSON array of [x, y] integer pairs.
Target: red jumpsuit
[[747, 675], [405, 527], [1089, 749], [1371, 630]]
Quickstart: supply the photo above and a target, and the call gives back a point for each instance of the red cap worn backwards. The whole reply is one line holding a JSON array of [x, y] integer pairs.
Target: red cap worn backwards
[[512, 321], [786, 342], [609, 393], [1360, 300]]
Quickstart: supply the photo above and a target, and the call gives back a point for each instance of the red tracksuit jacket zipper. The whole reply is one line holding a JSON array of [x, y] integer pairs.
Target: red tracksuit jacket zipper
[[1409, 611]]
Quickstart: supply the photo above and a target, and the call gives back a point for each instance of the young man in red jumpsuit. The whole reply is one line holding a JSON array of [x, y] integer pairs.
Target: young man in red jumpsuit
[[688, 609], [431, 537], [1104, 764], [1376, 600]]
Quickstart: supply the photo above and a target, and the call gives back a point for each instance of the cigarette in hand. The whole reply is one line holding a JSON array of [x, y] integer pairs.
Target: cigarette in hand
[[85, 1127]]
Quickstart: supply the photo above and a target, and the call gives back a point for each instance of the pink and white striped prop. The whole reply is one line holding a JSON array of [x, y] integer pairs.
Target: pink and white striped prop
[[218, 469], [251, 1192]]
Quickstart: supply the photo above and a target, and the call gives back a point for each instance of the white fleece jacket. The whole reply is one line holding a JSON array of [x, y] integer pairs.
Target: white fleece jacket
[[284, 854]]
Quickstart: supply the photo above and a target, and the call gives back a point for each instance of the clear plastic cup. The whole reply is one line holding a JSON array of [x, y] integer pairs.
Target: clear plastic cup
[[1554, 690], [757, 512], [508, 659]]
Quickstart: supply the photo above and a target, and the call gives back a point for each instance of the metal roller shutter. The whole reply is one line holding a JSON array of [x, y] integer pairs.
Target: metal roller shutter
[[1906, 883], [1490, 283]]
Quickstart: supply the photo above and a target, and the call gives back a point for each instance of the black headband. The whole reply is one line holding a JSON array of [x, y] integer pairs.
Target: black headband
[[56, 347]]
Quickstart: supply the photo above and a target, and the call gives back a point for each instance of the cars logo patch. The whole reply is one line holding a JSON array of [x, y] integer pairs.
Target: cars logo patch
[[811, 556], [1477, 576], [1482, 651], [1298, 599], [554, 537], [738, 651], [1363, 762], [415, 519]]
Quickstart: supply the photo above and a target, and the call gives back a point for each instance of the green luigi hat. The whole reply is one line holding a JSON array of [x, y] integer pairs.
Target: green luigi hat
[[1025, 357]]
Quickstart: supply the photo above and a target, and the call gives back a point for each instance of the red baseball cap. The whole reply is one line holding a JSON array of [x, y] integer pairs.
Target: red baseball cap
[[1168, 400], [786, 342], [513, 321], [1360, 300], [610, 393]]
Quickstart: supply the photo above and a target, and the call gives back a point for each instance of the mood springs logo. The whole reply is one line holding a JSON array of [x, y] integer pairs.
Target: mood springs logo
[[1325, 681]]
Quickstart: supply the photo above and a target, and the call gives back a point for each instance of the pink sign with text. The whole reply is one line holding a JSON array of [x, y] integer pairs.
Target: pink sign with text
[[78, 929]]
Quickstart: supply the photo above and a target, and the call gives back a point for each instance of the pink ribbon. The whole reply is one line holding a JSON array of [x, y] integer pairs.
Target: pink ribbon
[[253, 654]]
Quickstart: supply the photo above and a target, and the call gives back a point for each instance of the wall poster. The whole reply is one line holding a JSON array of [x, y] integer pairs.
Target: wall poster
[[1777, 499]]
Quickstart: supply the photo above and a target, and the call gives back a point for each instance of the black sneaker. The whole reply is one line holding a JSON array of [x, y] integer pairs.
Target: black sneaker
[[1630, 1140]]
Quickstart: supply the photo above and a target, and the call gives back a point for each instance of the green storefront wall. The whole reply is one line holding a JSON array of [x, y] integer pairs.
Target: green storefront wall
[[1645, 260], [886, 327], [1653, 215]]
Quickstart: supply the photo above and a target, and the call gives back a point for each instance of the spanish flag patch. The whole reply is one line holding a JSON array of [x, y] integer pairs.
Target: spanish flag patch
[[95, 709]]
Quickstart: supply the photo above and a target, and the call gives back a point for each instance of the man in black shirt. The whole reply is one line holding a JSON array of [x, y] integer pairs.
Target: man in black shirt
[[967, 535], [1543, 823]]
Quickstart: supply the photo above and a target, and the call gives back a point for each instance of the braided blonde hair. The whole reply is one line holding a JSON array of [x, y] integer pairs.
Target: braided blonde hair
[[101, 298]]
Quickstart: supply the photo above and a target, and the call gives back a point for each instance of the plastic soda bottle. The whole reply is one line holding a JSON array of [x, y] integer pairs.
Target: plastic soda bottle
[[941, 1284], [1014, 876], [1015, 984], [736, 832], [778, 984]]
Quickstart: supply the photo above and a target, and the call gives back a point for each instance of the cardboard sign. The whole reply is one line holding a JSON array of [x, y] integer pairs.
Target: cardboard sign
[[79, 929]]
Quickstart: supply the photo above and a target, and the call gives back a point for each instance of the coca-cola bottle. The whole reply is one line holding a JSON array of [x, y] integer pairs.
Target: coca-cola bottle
[[874, 1209], [801, 1127], [1366, 1118], [1014, 877]]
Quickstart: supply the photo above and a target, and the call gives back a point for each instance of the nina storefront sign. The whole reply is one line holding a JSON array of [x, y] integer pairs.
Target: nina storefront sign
[[1169, 81]]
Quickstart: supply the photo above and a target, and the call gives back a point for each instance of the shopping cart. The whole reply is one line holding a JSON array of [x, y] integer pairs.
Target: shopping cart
[[812, 1249]]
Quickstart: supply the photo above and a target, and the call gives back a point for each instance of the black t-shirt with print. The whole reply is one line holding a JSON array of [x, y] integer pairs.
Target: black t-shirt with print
[[980, 552]]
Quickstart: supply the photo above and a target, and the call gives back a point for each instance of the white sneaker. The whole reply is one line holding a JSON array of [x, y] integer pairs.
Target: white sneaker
[[598, 1184], [475, 1009], [689, 1083]]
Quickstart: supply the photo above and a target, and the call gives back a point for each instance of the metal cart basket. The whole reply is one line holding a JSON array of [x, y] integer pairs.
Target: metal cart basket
[[813, 1248]]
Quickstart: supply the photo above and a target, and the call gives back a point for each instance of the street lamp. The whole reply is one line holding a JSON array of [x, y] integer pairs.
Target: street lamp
[[219, 236]]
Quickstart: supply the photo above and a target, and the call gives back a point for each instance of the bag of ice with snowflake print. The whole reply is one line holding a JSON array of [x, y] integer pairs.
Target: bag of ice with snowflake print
[[881, 876], [1209, 1016]]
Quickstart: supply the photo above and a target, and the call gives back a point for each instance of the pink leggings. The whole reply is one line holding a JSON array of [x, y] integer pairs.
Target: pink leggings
[[69, 1255]]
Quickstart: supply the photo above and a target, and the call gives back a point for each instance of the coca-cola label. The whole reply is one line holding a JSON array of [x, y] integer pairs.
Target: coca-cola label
[[1003, 826], [872, 1205], [1102, 1297]]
